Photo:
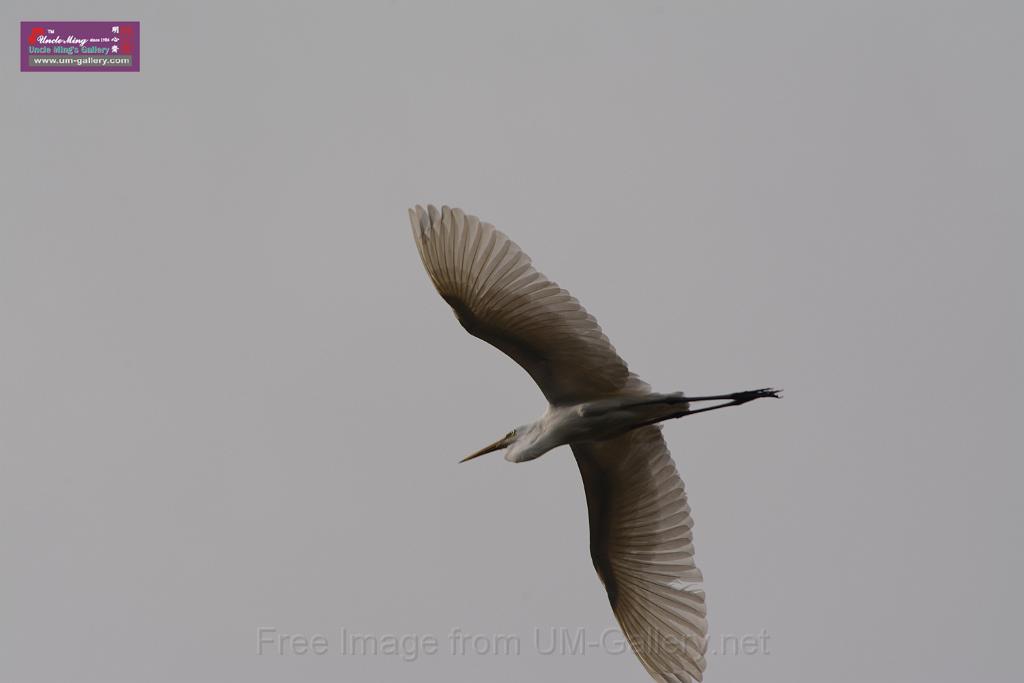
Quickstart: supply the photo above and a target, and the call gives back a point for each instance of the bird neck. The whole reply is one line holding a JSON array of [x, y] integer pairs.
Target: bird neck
[[532, 443]]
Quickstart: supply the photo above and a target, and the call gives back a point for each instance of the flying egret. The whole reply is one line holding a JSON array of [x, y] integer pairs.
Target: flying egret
[[640, 528]]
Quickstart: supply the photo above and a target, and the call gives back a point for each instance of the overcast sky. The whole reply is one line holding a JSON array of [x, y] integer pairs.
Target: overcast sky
[[231, 400]]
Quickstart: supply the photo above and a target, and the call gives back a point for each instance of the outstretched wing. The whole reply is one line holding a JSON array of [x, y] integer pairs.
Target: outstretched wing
[[641, 542], [499, 297]]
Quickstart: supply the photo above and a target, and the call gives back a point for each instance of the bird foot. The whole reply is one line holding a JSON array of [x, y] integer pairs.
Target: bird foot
[[747, 396]]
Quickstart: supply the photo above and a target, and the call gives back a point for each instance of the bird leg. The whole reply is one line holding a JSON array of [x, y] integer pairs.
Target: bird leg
[[736, 399]]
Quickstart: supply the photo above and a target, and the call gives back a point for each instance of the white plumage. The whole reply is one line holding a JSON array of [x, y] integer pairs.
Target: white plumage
[[641, 539]]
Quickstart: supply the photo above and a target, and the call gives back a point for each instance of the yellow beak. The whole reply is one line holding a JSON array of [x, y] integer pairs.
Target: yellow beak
[[503, 442]]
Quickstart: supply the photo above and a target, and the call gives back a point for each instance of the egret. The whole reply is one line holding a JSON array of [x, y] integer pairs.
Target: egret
[[641, 540]]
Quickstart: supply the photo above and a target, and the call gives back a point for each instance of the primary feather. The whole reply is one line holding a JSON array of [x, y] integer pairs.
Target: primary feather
[[499, 297]]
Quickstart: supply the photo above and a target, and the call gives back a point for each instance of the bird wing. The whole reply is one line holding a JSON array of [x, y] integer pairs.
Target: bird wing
[[499, 297], [641, 542]]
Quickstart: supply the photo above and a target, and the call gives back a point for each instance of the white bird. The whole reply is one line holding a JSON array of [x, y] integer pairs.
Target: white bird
[[641, 541]]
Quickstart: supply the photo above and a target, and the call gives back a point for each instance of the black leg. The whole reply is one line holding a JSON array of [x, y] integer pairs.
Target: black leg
[[737, 399]]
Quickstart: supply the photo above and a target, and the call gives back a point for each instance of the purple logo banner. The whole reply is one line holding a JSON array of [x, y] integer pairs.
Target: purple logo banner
[[79, 46]]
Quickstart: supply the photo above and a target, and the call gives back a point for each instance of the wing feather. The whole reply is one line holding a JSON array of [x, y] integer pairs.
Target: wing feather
[[499, 297], [641, 541]]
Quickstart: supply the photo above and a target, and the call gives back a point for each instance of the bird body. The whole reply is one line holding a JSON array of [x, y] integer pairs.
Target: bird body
[[590, 421], [641, 540]]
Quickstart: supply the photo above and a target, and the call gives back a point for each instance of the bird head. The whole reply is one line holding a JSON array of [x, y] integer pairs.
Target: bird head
[[503, 442]]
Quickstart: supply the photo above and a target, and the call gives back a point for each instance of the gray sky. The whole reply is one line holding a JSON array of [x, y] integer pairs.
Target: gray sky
[[230, 398]]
